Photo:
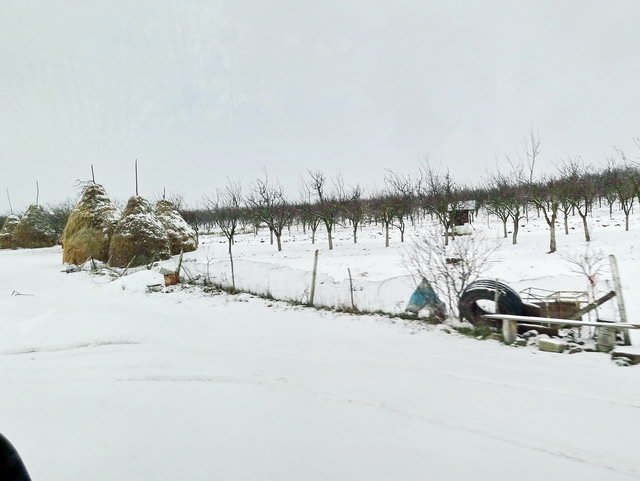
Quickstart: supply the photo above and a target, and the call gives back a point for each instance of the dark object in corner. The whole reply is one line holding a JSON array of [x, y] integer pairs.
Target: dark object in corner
[[11, 466]]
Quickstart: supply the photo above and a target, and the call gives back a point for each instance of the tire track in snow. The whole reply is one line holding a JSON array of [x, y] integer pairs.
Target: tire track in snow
[[69, 347], [546, 447]]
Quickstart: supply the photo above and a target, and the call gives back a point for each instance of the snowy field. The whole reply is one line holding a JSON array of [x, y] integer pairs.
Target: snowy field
[[102, 380]]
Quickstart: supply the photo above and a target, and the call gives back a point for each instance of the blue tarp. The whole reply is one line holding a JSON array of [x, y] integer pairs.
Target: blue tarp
[[424, 296]]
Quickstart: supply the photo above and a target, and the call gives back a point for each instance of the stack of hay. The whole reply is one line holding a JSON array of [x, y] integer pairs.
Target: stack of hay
[[6, 234], [90, 226], [139, 237], [34, 229], [181, 236]]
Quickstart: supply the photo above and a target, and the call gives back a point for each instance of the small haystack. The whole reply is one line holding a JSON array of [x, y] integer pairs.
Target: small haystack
[[6, 234], [89, 228], [34, 229], [139, 238], [181, 236]]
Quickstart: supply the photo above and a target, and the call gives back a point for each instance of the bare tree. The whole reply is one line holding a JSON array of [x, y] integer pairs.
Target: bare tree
[[326, 206], [436, 193], [532, 151], [545, 196], [579, 189], [227, 213], [622, 181], [498, 201], [590, 264], [351, 205], [449, 268], [268, 202], [192, 217], [401, 190], [384, 210]]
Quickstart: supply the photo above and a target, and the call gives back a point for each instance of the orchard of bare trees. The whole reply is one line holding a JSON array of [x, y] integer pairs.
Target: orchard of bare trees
[[513, 196]]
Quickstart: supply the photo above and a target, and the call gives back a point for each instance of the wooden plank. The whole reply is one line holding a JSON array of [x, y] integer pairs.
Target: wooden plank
[[593, 305], [565, 322]]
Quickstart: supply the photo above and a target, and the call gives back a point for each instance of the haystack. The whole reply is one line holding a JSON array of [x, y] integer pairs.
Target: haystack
[[89, 228], [6, 234], [34, 229], [181, 236], [139, 238]]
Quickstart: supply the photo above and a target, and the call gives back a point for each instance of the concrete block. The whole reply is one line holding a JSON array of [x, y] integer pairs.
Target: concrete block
[[552, 345]]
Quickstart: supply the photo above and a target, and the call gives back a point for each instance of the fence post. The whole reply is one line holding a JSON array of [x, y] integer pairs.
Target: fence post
[[353, 306], [313, 278], [618, 288]]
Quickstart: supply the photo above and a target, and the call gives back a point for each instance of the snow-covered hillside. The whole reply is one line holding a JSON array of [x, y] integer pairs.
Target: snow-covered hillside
[[102, 380]]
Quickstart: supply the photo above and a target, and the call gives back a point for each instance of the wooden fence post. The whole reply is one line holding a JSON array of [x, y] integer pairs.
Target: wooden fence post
[[618, 287], [313, 278], [353, 305]]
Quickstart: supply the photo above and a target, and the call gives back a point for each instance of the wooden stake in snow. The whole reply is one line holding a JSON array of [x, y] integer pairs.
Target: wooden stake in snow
[[353, 305], [136, 168], [93, 175], [313, 278], [233, 272], [179, 263], [618, 288], [37, 192]]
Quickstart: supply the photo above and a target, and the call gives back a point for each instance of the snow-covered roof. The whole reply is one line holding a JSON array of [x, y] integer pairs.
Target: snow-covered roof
[[463, 205]]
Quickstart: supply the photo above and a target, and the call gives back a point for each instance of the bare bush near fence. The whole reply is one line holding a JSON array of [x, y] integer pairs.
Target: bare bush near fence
[[590, 264], [449, 267]]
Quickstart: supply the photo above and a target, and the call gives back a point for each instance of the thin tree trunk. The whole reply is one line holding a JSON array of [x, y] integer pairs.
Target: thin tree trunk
[[233, 274], [504, 227], [566, 224], [552, 236], [386, 234], [587, 237], [516, 226], [279, 242]]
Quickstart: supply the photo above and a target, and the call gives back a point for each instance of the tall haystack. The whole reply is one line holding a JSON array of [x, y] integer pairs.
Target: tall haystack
[[181, 236], [34, 229], [139, 236], [6, 234], [90, 226]]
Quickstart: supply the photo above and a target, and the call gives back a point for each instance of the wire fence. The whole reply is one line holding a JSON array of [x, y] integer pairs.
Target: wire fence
[[292, 284], [557, 291]]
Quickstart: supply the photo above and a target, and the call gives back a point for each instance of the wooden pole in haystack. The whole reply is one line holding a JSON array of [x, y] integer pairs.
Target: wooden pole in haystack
[[9, 199]]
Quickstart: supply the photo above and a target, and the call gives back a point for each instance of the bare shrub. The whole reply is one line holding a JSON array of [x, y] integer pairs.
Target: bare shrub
[[449, 267], [590, 264]]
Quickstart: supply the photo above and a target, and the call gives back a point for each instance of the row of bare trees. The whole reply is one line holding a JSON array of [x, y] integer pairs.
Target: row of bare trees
[[512, 196]]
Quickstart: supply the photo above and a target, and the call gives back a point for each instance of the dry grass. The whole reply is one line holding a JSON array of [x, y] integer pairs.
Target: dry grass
[[6, 234], [139, 238], [90, 226], [34, 229], [181, 236]]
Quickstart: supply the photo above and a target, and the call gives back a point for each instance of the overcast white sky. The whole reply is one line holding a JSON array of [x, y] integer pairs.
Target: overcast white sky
[[202, 90]]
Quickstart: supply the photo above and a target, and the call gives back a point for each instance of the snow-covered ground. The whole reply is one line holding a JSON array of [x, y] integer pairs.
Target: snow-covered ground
[[102, 380]]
